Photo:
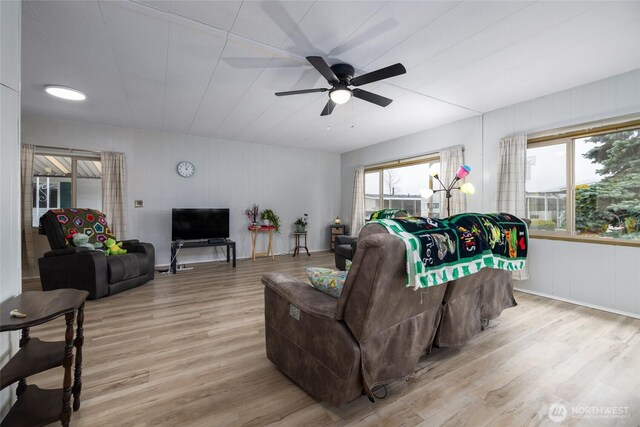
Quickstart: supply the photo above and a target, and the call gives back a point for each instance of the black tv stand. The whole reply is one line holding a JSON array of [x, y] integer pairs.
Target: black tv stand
[[182, 244], [218, 240]]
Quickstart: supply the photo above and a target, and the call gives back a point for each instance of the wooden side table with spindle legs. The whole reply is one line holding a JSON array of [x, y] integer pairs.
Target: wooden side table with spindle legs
[[35, 406], [299, 246]]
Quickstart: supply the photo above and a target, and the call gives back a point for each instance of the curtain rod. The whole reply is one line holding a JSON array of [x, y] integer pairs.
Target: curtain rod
[[413, 157], [593, 126], [67, 150]]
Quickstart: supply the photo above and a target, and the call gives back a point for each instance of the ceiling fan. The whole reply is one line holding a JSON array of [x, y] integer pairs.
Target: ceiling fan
[[340, 77]]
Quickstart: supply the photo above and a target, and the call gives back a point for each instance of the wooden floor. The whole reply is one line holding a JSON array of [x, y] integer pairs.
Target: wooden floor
[[189, 350]]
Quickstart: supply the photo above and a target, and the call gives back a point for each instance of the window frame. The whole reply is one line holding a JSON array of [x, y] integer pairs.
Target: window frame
[[381, 167], [73, 175], [569, 140]]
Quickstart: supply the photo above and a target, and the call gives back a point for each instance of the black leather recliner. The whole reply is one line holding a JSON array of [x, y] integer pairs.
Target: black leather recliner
[[345, 250], [346, 245], [67, 266]]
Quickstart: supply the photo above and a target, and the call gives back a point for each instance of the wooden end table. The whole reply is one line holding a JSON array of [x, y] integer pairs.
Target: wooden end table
[[254, 236], [35, 406], [334, 231], [298, 235]]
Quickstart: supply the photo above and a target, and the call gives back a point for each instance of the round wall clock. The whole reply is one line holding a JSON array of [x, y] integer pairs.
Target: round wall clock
[[186, 169]]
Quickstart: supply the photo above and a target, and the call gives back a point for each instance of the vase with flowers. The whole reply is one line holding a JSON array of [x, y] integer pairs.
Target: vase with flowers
[[252, 214], [301, 223]]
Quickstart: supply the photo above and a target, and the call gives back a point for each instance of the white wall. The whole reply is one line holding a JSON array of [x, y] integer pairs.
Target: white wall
[[612, 97], [466, 132], [228, 174], [590, 274], [9, 173]]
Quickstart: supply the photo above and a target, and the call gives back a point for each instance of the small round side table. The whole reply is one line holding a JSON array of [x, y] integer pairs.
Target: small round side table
[[298, 245]]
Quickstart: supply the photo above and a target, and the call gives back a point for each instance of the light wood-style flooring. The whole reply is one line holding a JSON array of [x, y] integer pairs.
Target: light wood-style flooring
[[189, 350]]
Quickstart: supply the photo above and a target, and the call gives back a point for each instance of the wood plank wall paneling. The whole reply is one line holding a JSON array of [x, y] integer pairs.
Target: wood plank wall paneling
[[10, 214], [584, 273], [599, 275], [229, 174], [189, 350], [579, 272]]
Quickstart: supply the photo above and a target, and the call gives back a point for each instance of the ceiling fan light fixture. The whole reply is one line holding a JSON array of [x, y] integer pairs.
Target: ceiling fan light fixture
[[340, 95], [65, 92]]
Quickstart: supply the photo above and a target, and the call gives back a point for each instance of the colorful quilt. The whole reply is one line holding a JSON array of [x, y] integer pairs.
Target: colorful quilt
[[442, 250], [388, 214], [91, 222]]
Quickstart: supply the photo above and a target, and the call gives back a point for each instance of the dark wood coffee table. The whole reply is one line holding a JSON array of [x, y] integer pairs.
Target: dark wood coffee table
[[35, 406]]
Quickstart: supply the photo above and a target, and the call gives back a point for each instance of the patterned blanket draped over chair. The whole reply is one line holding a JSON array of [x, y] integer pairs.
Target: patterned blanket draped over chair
[[442, 250]]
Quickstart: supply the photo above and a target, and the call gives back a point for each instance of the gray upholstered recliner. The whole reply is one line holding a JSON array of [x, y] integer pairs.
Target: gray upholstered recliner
[[373, 334], [378, 329], [67, 266], [470, 302]]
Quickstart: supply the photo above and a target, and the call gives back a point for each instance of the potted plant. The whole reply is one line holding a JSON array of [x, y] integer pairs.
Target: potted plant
[[271, 217], [252, 214], [301, 223]]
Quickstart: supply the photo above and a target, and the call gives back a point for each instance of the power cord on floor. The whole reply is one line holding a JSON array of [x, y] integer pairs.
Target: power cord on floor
[[168, 270]]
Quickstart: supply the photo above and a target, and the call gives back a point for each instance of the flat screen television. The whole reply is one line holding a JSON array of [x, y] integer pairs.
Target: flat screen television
[[199, 224]]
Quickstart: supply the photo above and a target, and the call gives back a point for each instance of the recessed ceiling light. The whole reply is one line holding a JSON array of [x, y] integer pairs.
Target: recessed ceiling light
[[65, 93]]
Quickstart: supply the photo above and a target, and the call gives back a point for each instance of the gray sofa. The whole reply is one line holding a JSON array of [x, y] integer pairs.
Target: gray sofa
[[375, 333]]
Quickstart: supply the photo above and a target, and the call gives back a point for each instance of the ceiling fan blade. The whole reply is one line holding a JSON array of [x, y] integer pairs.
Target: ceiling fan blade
[[323, 68], [382, 73], [298, 92], [371, 97], [328, 108]]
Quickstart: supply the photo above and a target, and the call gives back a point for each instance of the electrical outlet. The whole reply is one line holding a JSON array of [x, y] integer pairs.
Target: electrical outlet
[[138, 204]]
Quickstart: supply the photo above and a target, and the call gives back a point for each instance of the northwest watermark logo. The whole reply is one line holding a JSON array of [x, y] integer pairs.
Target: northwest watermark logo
[[559, 412]]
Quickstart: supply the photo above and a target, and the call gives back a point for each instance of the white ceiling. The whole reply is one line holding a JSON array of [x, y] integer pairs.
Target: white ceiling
[[210, 68]]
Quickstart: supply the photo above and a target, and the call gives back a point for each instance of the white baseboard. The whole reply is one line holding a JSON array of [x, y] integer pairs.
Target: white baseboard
[[163, 266], [584, 304]]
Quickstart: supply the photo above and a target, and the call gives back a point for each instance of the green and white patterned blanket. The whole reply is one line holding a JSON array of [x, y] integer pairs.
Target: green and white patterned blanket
[[442, 250]]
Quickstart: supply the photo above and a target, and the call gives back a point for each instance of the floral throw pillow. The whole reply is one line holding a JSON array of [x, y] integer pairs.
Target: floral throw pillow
[[327, 280]]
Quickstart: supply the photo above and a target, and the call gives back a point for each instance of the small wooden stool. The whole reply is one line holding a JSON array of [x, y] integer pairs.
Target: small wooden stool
[[298, 246]]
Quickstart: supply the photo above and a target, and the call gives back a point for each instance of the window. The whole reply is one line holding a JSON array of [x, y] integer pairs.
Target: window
[[546, 187], [398, 185], [586, 185], [65, 181]]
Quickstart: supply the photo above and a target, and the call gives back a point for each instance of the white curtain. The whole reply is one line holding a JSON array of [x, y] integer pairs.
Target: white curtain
[[450, 161], [511, 181], [26, 177], [357, 207], [113, 188], [511, 175]]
